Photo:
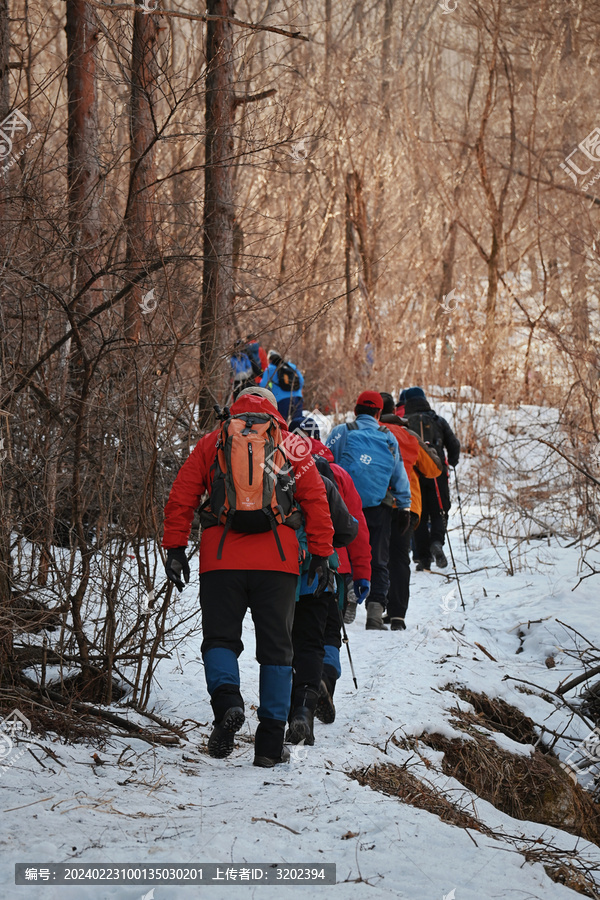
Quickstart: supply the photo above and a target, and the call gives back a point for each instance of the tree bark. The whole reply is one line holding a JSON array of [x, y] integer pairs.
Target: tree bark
[[6, 632], [219, 209], [357, 248], [140, 206], [83, 165]]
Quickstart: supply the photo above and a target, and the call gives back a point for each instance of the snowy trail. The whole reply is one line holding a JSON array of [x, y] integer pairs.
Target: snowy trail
[[167, 805]]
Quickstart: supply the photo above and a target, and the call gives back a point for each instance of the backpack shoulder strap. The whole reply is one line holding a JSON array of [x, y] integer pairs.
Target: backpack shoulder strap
[[352, 426]]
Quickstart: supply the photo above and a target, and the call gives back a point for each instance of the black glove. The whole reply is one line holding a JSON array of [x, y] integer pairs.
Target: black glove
[[175, 565], [414, 519], [319, 565], [403, 520]]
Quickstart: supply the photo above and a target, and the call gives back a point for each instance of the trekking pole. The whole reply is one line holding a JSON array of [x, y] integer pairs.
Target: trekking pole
[[462, 521], [347, 643], [443, 512]]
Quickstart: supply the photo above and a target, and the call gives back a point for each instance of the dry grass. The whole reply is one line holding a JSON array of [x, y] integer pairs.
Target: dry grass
[[398, 782]]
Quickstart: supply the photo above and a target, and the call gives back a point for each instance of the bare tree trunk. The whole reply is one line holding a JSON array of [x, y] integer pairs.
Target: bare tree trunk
[[140, 211], [83, 165], [6, 633], [84, 221], [219, 210], [357, 248]]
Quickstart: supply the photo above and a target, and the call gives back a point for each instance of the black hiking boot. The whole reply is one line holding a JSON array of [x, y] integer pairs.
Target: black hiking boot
[[325, 710], [301, 727], [398, 624], [221, 741], [439, 555], [423, 565], [302, 715], [267, 762], [268, 744]]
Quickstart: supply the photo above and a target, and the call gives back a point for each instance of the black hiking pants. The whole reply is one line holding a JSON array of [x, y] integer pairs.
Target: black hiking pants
[[432, 526], [225, 596], [379, 521], [399, 568], [308, 639]]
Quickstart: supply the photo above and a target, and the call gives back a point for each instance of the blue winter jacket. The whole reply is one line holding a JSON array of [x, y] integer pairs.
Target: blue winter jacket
[[365, 463], [269, 380]]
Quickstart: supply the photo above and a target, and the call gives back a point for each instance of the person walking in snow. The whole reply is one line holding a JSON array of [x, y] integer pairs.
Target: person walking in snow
[[316, 625], [286, 381], [370, 454], [248, 559], [430, 534], [419, 461]]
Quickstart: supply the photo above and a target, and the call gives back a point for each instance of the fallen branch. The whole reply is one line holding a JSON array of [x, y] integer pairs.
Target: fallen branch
[[274, 822], [148, 736], [483, 650], [562, 689]]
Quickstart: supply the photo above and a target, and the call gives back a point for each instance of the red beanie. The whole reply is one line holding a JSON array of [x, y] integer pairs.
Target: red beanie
[[370, 398]]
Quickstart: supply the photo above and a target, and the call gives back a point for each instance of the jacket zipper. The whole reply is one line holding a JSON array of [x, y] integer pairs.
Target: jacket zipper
[[250, 463]]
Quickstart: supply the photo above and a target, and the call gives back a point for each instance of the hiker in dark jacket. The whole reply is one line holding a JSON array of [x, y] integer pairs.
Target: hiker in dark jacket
[[430, 534]]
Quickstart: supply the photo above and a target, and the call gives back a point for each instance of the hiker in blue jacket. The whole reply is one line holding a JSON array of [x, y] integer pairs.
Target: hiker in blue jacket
[[369, 452], [286, 381]]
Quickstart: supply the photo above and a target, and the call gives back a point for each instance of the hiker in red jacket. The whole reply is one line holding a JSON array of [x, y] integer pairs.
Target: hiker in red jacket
[[354, 567], [240, 570]]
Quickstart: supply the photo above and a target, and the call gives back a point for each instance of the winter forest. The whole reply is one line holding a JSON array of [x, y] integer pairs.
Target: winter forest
[[391, 193]]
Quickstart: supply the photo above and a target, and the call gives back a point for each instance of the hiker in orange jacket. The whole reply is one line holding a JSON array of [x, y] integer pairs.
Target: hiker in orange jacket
[[418, 459]]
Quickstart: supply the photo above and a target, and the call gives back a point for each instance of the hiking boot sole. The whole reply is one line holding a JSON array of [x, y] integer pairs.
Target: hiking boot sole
[[221, 741], [298, 732], [325, 709], [375, 626], [350, 614]]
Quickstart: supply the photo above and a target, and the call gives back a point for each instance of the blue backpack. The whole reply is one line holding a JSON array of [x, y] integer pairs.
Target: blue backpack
[[369, 460], [241, 367]]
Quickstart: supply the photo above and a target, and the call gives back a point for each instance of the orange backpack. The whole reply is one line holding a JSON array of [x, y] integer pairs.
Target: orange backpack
[[253, 483]]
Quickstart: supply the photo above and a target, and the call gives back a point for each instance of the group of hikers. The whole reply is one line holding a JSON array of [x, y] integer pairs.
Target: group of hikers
[[301, 532]]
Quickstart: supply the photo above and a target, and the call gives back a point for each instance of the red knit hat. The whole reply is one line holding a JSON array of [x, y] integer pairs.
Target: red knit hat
[[370, 398]]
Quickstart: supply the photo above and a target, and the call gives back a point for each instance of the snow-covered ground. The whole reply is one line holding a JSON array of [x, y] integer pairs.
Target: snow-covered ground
[[159, 805]]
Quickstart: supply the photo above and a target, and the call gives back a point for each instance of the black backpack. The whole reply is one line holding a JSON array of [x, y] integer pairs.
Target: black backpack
[[287, 378], [426, 426]]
